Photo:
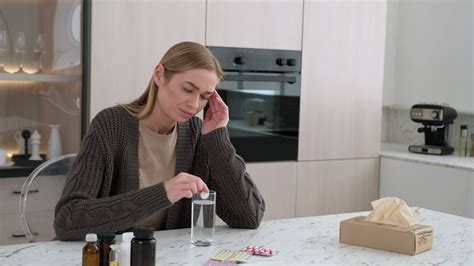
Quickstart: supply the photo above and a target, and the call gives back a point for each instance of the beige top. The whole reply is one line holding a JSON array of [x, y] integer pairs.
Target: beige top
[[157, 163]]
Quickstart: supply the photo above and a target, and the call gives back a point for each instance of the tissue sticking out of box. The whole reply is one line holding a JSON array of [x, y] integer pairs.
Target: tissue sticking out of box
[[391, 210]]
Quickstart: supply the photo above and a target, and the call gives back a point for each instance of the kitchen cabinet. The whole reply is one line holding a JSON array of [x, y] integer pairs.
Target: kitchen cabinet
[[128, 40], [255, 24], [40, 208], [336, 186], [342, 79], [435, 187], [10, 218], [277, 184]]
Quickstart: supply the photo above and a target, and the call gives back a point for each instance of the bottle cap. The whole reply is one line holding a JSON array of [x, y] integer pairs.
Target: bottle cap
[[106, 237], [91, 237], [143, 232], [127, 237]]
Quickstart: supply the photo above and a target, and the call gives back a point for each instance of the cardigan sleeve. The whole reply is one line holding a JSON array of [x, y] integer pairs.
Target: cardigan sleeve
[[81, 210], [239, 202]]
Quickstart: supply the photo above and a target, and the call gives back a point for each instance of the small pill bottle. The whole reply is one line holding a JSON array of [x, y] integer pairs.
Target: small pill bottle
[[114, 255], [90, 252], [143, 247], [105, 240]]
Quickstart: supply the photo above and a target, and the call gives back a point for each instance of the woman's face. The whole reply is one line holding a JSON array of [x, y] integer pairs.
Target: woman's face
[[185, 94]]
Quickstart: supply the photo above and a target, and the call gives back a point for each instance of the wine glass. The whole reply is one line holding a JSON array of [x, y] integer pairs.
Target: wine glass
[[3, 48], [20, 47], [39, 50]]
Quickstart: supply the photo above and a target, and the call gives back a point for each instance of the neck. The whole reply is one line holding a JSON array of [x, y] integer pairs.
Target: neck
[[158, 122]]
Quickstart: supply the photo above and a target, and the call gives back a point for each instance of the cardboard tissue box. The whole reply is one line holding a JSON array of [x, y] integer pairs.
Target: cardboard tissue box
[[391, 226]]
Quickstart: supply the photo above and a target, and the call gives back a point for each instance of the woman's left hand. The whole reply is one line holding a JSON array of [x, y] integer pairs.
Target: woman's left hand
[[217, 115]]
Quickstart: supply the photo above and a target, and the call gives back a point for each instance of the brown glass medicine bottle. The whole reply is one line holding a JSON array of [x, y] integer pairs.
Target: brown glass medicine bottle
[[90, 252], [105, 240]]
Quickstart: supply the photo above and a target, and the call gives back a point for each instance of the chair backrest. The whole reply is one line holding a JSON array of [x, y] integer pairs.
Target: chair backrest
[[46, 182]]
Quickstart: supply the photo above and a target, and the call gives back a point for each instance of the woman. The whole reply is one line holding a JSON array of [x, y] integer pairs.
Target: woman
[[141, 162]]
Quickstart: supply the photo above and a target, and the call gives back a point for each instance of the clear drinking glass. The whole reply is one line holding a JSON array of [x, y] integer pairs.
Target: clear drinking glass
[[203, 218], [20, 47], [39, 51], [3, 48]]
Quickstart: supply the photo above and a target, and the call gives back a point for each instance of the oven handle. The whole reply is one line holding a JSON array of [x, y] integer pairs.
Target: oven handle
[[260, 78]]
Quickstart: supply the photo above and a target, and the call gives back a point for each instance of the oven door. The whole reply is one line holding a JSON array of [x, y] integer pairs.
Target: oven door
[[264, 114]]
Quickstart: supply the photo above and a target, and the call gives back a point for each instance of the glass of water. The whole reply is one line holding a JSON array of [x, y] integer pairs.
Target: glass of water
[[203, 218]]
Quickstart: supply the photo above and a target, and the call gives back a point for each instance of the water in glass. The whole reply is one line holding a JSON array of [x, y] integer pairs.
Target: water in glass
[[203, 219]]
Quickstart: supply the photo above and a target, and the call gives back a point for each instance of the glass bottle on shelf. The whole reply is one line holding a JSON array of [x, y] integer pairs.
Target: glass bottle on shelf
[[472, 145], [463, 141]]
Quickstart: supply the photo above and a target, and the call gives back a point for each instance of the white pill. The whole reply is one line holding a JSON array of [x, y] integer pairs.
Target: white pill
[[204, 195]]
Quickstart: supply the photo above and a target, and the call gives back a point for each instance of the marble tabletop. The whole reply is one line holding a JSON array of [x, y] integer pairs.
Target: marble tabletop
[[400, 151], [298, 241]]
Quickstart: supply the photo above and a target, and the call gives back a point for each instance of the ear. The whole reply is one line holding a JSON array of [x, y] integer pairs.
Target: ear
[[158, 74]]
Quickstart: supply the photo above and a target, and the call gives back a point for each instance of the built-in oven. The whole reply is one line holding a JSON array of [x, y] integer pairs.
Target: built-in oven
[[261, 87]]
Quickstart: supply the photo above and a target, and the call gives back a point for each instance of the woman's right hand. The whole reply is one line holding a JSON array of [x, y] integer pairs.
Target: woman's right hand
[[184, 185]]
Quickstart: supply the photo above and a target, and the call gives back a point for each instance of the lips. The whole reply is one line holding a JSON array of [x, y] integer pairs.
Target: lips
[[186, 113]]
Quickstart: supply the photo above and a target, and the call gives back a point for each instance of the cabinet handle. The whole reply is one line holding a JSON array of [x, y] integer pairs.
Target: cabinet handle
[[23, 235], [31, 191]]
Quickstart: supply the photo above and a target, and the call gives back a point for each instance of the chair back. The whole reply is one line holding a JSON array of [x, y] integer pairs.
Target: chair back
[[39, 195]]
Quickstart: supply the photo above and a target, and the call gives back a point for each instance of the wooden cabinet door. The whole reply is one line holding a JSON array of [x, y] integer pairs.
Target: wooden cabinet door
[[41, 201], [432, 187], [277, 184], [470, 195], [129, 37], [342, 79], [336, 186], [255, 24]]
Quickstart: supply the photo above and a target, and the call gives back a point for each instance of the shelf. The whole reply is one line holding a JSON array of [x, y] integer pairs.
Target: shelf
[[38, 77], [16, 171]]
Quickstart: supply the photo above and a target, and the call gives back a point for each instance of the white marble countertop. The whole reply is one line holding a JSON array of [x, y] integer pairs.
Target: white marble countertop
[[400, 151], [298, 241]]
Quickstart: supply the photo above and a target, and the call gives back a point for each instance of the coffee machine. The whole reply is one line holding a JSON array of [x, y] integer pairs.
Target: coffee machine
[[435, 119]]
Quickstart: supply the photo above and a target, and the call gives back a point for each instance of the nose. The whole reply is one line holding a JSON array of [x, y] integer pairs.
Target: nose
[[193, 101]]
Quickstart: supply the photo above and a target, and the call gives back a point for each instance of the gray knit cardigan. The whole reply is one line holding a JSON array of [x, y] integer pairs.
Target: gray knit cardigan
[[101, 192]]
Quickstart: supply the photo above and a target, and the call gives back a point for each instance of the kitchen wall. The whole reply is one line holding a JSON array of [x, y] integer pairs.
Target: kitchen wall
[[428, 59]]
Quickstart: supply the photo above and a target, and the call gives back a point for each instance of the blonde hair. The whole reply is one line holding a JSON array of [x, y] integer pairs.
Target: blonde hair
[[180, 57]]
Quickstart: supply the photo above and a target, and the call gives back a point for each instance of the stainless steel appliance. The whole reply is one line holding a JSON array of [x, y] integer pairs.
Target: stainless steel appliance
[[435, 120], [262, 90]]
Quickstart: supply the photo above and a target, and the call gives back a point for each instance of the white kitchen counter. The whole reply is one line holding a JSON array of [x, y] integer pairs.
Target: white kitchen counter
[[298, 241], [400, 151]]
